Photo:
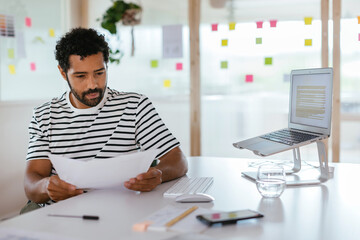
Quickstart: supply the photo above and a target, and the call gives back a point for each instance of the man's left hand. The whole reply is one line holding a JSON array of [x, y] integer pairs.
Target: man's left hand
[[145, 182]]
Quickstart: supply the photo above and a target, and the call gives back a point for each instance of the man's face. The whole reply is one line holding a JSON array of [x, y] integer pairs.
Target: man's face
[[87, 80]]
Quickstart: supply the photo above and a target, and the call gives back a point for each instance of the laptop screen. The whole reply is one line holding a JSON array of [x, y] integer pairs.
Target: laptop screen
[[311, 99]]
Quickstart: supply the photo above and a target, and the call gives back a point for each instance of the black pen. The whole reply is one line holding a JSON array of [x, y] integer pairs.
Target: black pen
[[86, 217]]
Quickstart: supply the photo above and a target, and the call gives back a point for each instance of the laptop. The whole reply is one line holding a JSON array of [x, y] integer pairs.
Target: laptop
[[309, 118]]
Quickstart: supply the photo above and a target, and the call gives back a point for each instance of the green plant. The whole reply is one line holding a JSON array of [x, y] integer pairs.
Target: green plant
[[128, 14]]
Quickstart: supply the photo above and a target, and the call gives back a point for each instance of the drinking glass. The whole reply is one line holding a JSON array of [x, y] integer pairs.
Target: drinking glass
[[271, 180]]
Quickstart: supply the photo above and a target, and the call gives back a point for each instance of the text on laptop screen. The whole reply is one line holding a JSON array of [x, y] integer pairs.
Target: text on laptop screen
[[311, 99]]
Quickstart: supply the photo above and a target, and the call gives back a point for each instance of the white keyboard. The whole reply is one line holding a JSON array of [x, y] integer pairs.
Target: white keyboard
[[189, 185]]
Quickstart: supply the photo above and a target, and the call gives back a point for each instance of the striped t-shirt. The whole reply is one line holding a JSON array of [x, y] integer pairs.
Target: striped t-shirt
[[120, 123]]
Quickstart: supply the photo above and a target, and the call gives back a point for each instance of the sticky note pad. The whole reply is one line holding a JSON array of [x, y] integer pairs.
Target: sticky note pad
[[154, 63], [308, 42], [179, 66], [224, 42], [273, 23], [258, 40], [232, 215], [11, 54], [224, 64], [12, 69], [358, 19], [232, 26], [249, 78], [214, 27], [308, 20], [215, 216], [51, 32], [268, 61], [259, 24], [167, 83], [28, 22], [32, 66]]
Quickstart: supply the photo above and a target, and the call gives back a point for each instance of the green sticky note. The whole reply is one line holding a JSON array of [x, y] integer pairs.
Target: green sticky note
[[11, 54], [154, 63], [258, 40], [224, 64], [268, 61]]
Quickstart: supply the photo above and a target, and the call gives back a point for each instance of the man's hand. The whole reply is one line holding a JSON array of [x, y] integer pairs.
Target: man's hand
[[145, 182], [58, 189]]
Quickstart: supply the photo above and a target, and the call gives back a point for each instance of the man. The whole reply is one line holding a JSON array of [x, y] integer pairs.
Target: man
[[93, 121]]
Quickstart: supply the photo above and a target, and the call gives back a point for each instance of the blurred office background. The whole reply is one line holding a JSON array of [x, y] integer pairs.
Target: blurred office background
[[243, 94]]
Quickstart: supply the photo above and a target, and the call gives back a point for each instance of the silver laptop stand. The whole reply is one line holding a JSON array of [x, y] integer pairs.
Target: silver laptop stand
[[323, 167]]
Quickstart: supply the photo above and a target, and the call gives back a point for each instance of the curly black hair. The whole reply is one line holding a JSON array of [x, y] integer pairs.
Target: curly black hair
[[80, 41]]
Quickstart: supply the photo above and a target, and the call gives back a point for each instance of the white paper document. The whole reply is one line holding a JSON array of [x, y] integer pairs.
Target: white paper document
[[102, 173]]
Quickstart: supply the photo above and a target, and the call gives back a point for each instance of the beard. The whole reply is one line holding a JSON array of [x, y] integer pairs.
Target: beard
[[81, 97]]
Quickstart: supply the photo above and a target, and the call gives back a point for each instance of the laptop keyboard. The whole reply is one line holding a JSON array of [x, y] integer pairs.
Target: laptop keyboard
[[189, 185], [288, 137]]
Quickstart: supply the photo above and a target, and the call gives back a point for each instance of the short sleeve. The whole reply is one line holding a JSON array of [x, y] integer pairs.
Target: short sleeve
[[150, 130], [38, 142]]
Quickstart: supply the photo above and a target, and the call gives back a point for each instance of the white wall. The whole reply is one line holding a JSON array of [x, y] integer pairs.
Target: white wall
[[14, 121]]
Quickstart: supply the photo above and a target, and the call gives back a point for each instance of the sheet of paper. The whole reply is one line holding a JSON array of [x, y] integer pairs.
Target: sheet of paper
[[18, 234], [172, 41], [187, 224], [103, 173]]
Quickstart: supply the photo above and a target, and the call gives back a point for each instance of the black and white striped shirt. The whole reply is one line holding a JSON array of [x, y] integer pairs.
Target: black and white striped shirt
[[120, 123]]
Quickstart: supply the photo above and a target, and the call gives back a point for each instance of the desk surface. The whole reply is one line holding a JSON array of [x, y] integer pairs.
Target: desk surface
[[327, 211]]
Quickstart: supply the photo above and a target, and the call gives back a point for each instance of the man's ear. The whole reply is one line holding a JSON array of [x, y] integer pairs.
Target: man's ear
[[63, 74]]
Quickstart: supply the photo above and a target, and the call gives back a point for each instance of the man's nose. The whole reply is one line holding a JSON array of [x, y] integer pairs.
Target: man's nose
[[92, 82]]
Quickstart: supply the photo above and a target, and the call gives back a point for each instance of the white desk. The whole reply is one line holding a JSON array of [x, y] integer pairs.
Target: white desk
[[328, 211]]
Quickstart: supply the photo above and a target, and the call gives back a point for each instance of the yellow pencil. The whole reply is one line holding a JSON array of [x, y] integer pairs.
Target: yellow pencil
[[181, 216]]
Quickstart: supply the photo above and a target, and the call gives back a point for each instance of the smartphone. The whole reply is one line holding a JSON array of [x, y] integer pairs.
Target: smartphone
[[228, 217]]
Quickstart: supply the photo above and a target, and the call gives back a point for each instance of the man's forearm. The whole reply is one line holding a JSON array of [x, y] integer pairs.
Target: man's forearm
[[173, 165], [36, 188]]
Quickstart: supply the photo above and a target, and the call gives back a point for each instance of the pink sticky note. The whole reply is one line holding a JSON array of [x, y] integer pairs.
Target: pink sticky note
[[215, 216], [32, 66], [214, 27], [179, 66], [259, 24], [28, 22], [273, 23], [359, 36], [249, 78]]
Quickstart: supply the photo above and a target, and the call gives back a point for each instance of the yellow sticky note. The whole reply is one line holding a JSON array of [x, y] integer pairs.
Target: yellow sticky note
[[224, 42], [12, 69], [154, 63], [232, 215], [232, 26], [358, 19], [11, 54], [308, 42], [167, 83], [51, 32], [308, 20]]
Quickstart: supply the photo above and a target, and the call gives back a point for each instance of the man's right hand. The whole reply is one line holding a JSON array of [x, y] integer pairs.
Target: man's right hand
[[58, 189]]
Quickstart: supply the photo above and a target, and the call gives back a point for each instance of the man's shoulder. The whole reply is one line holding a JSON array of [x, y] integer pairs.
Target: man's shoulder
[[55, 103], [115, 95]]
